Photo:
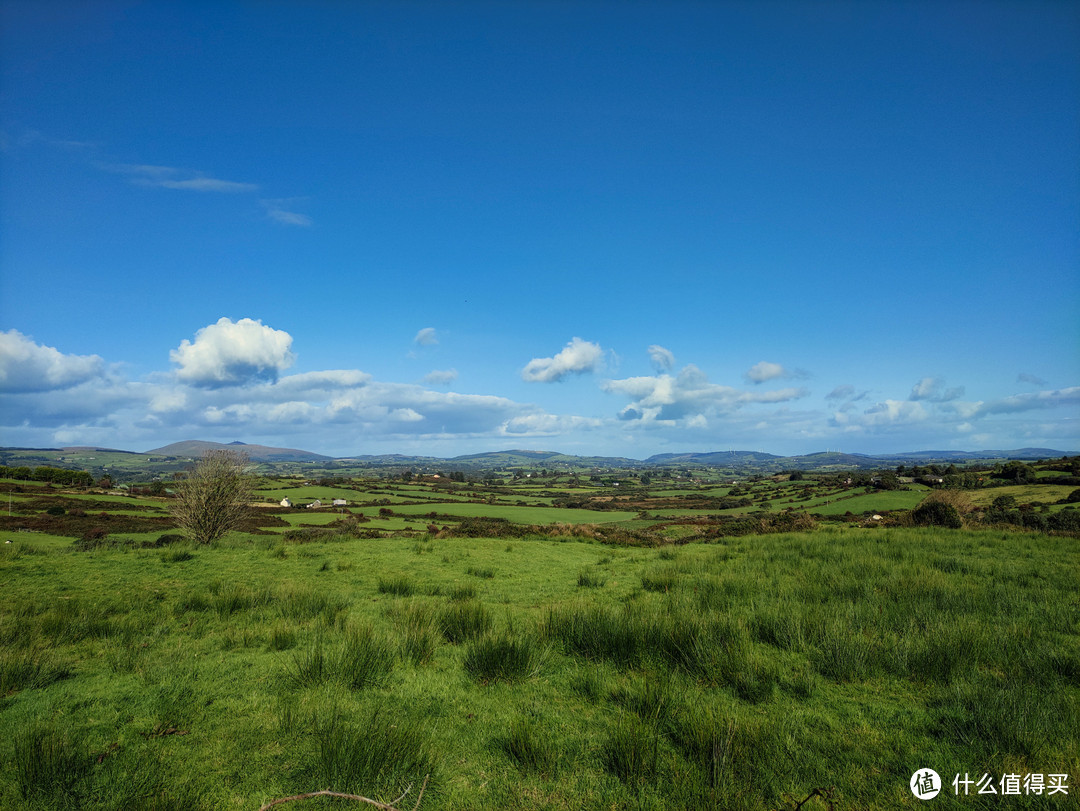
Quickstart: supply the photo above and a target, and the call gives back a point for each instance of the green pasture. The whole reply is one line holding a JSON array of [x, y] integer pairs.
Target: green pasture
[[308, 493], [831, 503], [519, 515], [322, 518], [142, 501], [537, 674], [878, 501], [1023, 493]]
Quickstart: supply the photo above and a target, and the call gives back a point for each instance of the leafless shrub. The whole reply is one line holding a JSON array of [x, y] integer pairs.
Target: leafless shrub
[[213, 498]]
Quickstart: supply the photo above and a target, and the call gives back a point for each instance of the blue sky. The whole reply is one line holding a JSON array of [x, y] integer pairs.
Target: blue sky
[[600, 228]]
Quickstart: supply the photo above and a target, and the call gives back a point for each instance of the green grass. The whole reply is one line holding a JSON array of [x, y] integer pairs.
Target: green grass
[[521, 515], [731, 675]]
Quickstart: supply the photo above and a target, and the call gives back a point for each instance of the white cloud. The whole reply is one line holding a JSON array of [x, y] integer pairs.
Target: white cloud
[[548, 424], [763, 371], [26, 366], [688, 395], [426, 337], [1034, 380], [170, 177], [230, 383], [662, 359], [577, 358], [844, 392], [233, 353], [280, 212], [441, 377], [932, 389], [891, 412], [315, 384], [1057, 398]]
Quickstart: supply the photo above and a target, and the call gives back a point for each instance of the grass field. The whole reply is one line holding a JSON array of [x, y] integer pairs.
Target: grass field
[[538, 674]]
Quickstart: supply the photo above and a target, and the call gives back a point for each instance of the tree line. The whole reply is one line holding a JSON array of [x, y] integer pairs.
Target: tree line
[[50, 475]]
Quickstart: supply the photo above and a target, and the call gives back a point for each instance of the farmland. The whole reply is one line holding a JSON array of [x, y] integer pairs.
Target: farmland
[[539, 642]]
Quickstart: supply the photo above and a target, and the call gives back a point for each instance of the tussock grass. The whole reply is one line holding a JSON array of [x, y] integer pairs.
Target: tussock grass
[[378, 755], [590, 580], [714, 649], [464, 620], [175, 555], [591, 682], [400, 586], [49, 765], [227, 599], [530, 746], [651, 698], [29, 669], [298, 604], [282, 637], [361, 658], [631, 751], [503, 657], [466, 592], [73, 620], [418, 626]]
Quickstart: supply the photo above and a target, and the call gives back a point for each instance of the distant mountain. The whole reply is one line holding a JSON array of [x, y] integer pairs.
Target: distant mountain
[[494, 459], [550, 458], [958, 456], [712, 458], [193, 448], [170, 459]]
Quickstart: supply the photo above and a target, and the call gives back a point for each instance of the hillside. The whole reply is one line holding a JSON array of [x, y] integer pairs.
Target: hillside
[[257, 453], [168, 460]]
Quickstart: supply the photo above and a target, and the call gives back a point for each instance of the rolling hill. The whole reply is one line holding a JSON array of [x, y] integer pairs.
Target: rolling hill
[[193, 448]]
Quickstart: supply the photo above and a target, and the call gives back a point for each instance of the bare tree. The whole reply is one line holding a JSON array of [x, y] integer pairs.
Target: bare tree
[[213, 498]]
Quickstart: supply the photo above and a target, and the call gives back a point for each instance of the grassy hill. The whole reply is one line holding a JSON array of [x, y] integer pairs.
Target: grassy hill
[[194, 448]]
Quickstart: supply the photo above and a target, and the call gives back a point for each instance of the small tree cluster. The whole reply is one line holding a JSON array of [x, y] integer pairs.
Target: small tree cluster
[[54, 475]]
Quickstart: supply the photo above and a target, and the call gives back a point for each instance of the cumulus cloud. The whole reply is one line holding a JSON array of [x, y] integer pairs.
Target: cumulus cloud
[[764, 371], [933, 389], [233, 353], [662, 359], [844, 392], [576, 358], [400, 408], [895, 411], [426, 337], [687, 395], [441, 377], [547, 424], [1058, 398], [26, 366], [315, 384]]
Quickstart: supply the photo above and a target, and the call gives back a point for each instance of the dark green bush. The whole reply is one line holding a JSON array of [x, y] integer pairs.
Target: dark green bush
[[936, 514]]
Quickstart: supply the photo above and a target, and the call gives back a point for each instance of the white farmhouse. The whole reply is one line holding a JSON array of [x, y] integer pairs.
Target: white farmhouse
[[286, 503]]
